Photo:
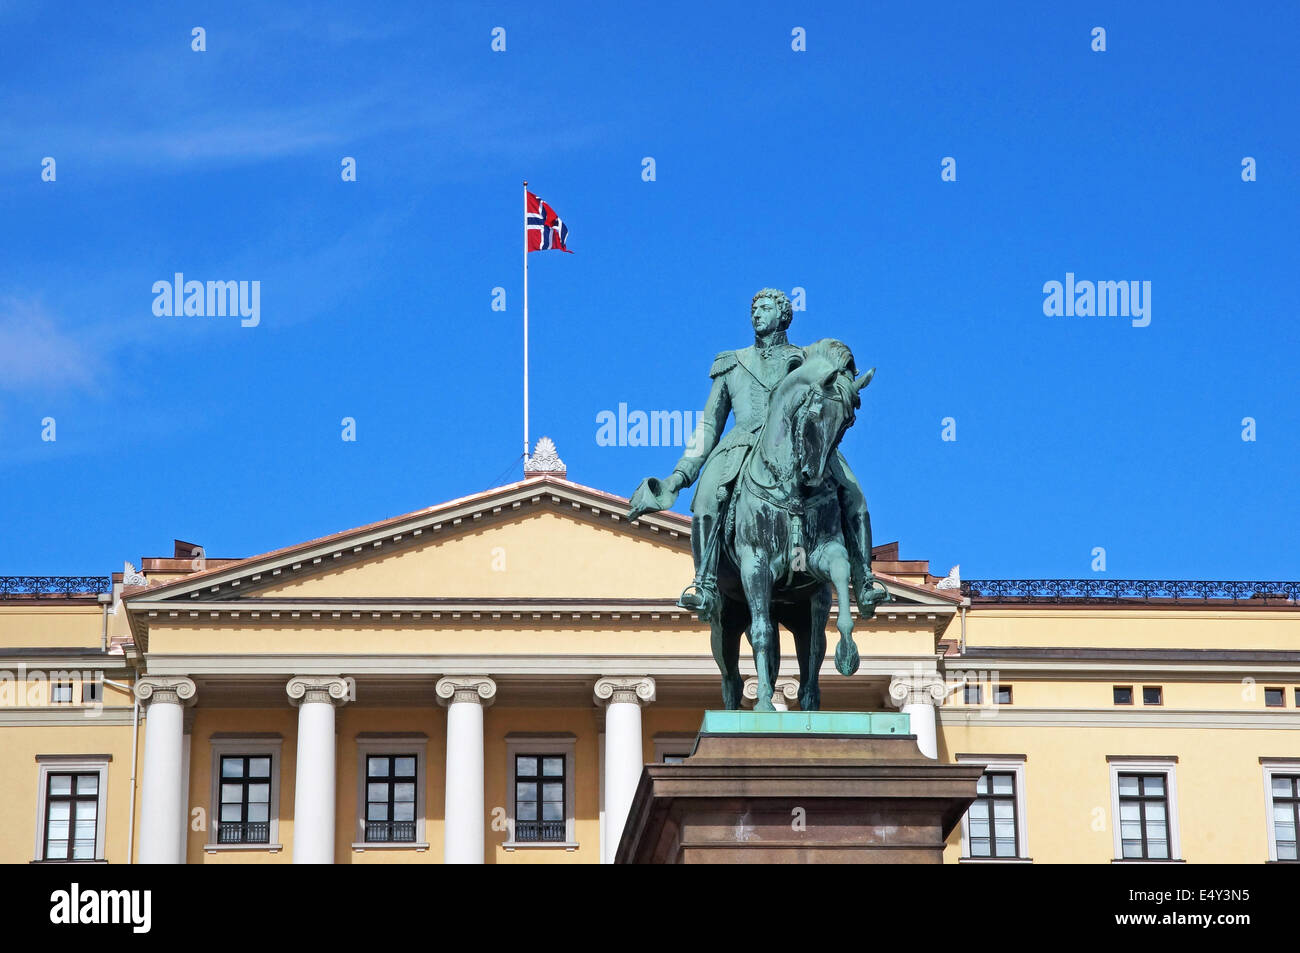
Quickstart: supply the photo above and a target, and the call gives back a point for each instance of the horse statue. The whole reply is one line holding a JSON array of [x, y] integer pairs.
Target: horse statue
[[783, 546]]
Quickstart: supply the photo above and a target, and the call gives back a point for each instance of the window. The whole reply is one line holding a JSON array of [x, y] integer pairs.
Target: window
[[973, 694], [540, 775], [1123, 694], [70, 808], [1285, 794], [539, 797], [92, 692], [994, 826], [1002, 694], [1144, 808], [1282, 799], [245, 792], [390, 790], [1152, 695], [61, 693], [390, 798], [1144, 816], [673, 747], [245, 800], [1274, 698]]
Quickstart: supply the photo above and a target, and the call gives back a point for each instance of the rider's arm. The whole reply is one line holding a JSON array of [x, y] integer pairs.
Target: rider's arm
[[713, 420]]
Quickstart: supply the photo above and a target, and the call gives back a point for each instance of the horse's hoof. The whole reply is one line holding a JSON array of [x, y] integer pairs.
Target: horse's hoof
[[846, 657]]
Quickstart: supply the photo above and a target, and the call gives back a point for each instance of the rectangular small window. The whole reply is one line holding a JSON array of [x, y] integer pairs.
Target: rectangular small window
[[1123, 694], [992, 816], [674, 758], [539, 798], [1002, 695], [71, 815], [92, 692], [1274, 698], [1285, 792], [390, 798], [1144, 816], [973, 694], [61, 693], [245, 800], [1152, 695]]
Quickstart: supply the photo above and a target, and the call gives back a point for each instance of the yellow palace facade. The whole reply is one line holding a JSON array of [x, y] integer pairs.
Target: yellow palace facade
[[483, 680]]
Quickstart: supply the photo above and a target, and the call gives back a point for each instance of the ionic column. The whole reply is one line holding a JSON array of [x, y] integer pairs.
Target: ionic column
[[916, 696], [162, 813], [623, 697], [463, 829], [784, 691], [314, 780]]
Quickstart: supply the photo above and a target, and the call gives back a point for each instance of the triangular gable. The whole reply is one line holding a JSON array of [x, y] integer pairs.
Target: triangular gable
[[542, 537]]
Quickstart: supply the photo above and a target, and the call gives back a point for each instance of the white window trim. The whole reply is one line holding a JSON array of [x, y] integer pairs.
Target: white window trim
[[526, 743], [670, 742], [81, 764], [1271, 768], [395, 743], [1003, 763], [249, 744], [1165, 766]]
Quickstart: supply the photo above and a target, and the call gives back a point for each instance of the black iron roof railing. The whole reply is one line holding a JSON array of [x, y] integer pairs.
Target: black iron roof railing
[[1128, 590], [27, 587]]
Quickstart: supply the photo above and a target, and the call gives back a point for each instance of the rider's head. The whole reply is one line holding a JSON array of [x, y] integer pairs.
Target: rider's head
[[779, 302]]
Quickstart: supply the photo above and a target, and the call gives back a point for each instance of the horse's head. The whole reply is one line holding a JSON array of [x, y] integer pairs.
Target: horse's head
[[824, 395]]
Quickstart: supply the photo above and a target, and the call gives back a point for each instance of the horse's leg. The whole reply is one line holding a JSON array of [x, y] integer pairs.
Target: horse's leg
[[796, 618], [726, 650], [818, 611], [756, 575], [831, 561]]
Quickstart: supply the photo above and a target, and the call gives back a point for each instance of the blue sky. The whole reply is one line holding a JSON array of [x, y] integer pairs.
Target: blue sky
[[818, 169]]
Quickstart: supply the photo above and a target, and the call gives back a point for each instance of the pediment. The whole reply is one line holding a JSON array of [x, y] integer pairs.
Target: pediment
[[541, 538]]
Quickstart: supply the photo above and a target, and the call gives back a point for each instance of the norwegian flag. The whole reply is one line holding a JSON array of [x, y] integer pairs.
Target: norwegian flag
[[545, 230]]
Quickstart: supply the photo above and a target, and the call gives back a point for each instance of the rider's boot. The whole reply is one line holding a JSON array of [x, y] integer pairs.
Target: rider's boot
[[701, 596]]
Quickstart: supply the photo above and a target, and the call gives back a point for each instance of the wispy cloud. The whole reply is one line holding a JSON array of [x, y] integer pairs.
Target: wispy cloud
[[38, 352]]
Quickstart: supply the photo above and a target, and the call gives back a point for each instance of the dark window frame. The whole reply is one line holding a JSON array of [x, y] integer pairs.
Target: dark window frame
[[392, 831], [54, 690], [1281, 697], [997, 695], [1160, 694], [244, 831], [1116, 689], [71, 799], [992, 799], [542, 831], [1294, 800], [1142, 799], [977, 690]]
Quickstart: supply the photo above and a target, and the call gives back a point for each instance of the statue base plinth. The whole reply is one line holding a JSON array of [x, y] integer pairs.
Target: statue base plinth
[[798, 788]]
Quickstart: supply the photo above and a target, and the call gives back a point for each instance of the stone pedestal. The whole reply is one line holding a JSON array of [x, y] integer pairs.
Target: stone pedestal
[[798, 787]]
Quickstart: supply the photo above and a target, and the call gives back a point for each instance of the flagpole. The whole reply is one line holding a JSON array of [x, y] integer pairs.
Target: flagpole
[[525, 321]]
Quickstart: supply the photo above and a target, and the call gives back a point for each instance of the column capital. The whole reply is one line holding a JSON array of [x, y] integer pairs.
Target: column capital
[[167, 689], [785, 685], [919, 688], [454, 689], [330, 689], [612, 689]]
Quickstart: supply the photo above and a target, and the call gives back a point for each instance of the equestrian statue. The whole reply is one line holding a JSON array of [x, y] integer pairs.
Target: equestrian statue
[[778, 518]]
